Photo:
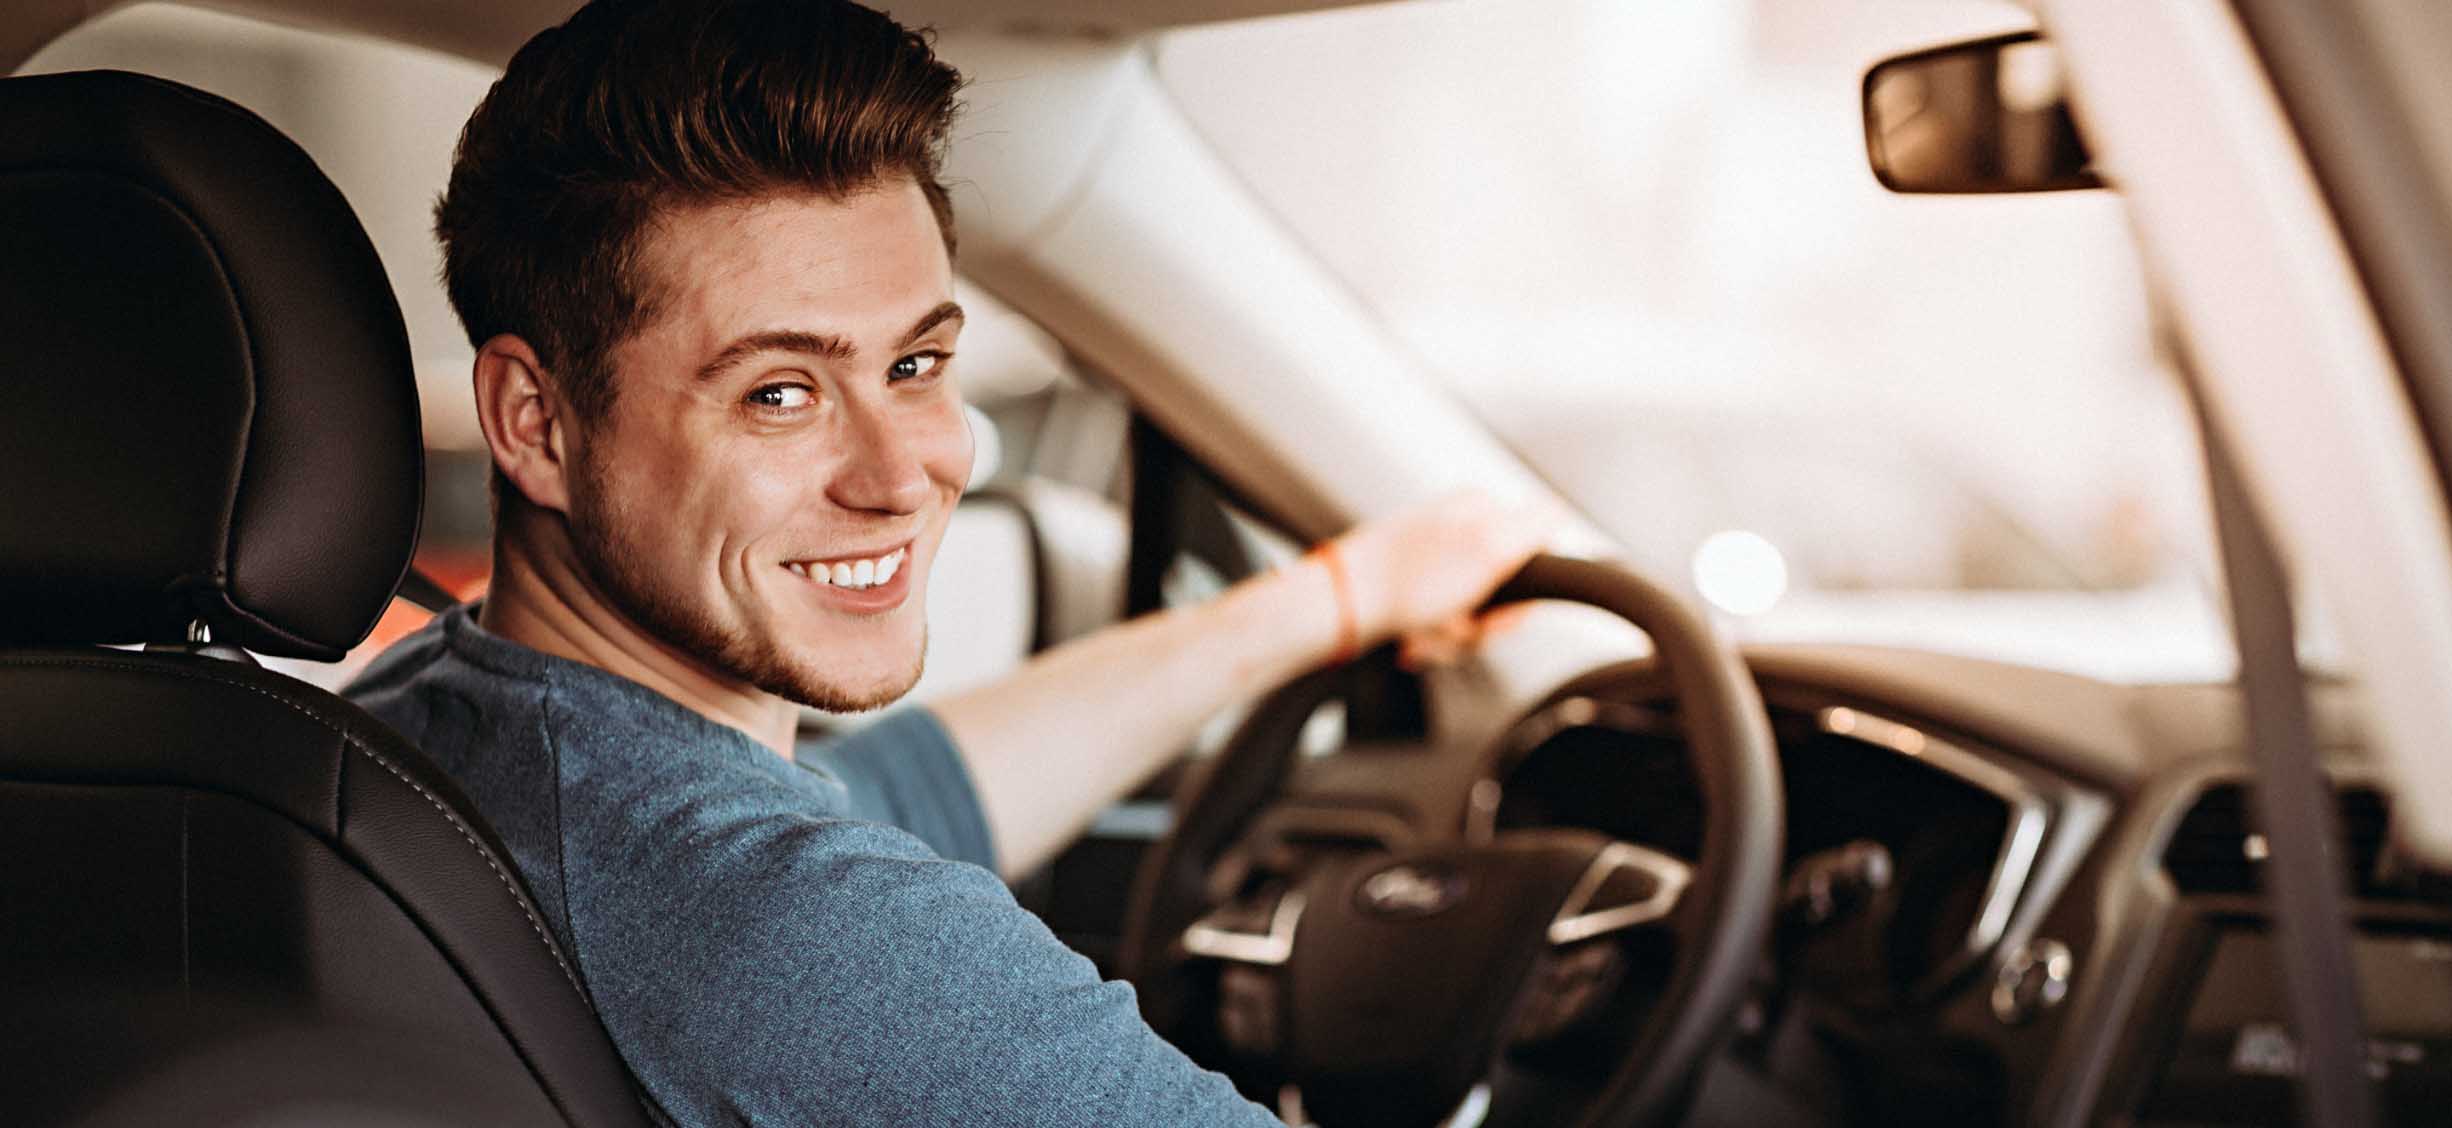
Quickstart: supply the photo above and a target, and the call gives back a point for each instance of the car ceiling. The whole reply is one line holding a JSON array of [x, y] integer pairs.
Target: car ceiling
[[489, 30]]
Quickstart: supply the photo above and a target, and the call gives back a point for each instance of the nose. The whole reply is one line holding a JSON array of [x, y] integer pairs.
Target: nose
[[881, 469]]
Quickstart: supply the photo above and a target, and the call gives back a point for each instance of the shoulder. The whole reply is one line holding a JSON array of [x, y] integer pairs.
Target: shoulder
[[904, 769], [802, 967], [425, 680], [449, 647]]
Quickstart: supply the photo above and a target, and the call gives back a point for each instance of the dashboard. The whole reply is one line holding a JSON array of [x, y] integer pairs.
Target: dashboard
[[2012, 896], [1903, 868]]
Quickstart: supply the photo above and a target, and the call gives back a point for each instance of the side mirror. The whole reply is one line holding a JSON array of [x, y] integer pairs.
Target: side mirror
[[1990, 115]]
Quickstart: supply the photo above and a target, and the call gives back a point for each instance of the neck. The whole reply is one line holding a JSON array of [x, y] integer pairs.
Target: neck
[[541, 598]]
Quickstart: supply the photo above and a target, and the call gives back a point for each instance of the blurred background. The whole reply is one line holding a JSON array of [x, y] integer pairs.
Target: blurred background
[[1638, 240]]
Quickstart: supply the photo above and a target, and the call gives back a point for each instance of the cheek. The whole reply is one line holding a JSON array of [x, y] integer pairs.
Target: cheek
[[759, 490], [693, 494], [639, 456]]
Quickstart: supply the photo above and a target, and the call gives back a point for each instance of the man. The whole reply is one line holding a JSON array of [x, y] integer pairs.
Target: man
[[705, 260]]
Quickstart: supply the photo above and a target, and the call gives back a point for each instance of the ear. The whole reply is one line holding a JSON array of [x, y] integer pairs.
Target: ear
[[526, 422]]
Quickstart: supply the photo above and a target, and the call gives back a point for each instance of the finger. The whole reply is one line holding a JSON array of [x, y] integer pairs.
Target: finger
[[1431, 646], [1499, 621], [1417, 652]]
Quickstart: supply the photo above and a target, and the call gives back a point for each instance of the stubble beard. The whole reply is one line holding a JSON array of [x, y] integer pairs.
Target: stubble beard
[[599, 534]]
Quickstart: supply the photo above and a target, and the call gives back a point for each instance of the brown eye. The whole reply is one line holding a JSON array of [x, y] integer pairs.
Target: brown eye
[[783, 397], [916, 365]]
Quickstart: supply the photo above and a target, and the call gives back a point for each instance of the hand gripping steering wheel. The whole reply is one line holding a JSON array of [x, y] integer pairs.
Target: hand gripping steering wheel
[[1386, 984]]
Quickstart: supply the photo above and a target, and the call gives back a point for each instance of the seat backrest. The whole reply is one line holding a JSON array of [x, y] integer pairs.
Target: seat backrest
[[209, 440]]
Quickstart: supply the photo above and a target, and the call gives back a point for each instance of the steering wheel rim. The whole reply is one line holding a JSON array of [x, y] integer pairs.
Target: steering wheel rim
[[1728, 906]]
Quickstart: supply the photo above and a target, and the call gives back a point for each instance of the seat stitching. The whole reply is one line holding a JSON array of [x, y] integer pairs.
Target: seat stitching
[[534, 925], [353, 742]]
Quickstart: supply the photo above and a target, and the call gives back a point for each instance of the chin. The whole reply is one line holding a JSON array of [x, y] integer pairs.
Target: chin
[[830, 686]]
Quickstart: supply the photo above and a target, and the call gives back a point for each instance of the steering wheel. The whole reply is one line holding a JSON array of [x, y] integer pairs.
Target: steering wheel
[[1386, 983]]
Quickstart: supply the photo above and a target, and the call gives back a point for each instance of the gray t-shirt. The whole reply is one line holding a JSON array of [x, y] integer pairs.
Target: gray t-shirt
[[763, 946]]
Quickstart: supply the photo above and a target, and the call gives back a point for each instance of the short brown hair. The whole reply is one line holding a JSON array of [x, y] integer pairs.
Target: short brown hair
[[636, 105]]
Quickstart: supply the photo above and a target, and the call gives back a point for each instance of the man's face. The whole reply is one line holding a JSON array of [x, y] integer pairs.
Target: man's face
[[783, 432]]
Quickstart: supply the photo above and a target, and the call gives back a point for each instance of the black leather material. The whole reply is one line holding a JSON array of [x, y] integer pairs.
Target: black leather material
[[213, 876], [207, 407], [194, 851]]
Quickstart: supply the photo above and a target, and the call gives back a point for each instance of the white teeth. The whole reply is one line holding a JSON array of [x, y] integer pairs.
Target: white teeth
[[855, 575]]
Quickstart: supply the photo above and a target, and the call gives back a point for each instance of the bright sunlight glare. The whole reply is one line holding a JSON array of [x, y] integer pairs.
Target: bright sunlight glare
[[1740, 572]]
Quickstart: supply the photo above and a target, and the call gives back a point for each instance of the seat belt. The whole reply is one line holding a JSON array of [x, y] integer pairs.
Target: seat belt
[[421, 590], [2294, 806]]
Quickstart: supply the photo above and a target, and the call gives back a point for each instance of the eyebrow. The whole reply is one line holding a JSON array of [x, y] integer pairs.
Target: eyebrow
[[826, 345]]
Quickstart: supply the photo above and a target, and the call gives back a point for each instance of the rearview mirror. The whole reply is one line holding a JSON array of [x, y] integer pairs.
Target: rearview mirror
[[1991, 115]]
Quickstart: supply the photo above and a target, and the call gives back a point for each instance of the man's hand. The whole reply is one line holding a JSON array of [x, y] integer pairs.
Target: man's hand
[[1420, 573]]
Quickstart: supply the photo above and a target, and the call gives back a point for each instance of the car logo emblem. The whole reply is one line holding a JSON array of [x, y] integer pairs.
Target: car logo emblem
[[1411, 889]]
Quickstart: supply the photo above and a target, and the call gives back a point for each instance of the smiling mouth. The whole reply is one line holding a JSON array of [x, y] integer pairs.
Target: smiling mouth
[[854, 573]]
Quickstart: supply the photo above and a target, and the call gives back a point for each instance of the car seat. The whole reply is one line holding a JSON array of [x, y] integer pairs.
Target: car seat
[[226, 895]]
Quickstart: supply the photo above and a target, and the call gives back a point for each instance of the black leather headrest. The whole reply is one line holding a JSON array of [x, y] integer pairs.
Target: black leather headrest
[[207, 408]]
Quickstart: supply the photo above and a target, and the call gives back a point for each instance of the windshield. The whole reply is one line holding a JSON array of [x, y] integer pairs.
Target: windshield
[[1640, 242]]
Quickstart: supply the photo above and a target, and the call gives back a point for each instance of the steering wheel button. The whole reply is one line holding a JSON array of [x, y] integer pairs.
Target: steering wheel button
[[1624, 886]]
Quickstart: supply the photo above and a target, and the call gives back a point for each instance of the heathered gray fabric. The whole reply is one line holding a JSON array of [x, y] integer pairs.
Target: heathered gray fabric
[[763, 947]]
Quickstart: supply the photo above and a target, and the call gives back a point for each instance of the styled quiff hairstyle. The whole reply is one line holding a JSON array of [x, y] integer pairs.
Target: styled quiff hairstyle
[[639, 105]]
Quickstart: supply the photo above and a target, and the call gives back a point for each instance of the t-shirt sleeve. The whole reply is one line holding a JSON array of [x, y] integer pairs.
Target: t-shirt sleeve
[[798, 970], [904, 770]]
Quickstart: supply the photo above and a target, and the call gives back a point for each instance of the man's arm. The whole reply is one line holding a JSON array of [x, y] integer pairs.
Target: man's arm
[[1082, 724]]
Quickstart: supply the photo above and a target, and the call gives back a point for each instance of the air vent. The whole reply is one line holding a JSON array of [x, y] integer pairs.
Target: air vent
[[2218, 850]]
